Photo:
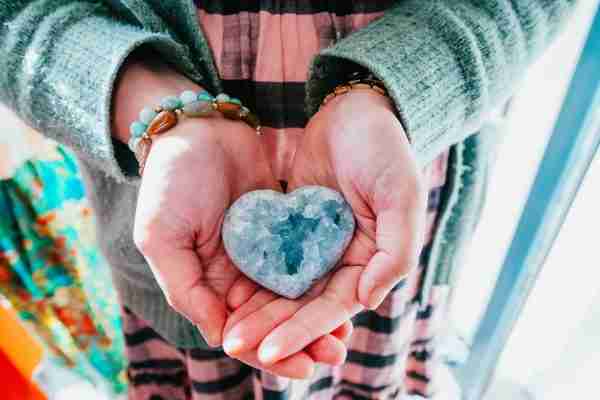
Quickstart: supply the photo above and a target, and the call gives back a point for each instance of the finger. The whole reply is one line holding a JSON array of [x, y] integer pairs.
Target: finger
[[336, 305], [241, 291], [399, 239], [247, 333], [253, 327], [233, 344], [344, 332], [297, 366], [327, 349]]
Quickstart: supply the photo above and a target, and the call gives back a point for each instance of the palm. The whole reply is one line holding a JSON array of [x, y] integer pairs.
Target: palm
[[192, 176], [369, 161], [313, 166]]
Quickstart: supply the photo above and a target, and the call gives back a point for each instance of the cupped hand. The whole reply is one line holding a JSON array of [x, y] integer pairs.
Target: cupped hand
[[193, 174], [356, 145]]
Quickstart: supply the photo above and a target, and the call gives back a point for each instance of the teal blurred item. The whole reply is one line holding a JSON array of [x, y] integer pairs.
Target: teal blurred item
[[51, 270]]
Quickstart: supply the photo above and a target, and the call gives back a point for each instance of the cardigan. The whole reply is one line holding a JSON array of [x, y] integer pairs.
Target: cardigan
[[447, 64]]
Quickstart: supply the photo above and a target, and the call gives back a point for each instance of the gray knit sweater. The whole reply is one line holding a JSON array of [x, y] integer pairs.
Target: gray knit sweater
[[446, 64]]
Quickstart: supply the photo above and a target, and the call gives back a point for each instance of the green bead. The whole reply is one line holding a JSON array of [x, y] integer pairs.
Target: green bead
[[233, 100], [170, 103], [147, 115], [137, 129], [187, 97], [198, 109], [205, 96], [222, 98]]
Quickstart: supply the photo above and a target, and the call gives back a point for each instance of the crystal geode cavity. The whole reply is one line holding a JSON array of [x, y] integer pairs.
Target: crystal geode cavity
[[285, 242]]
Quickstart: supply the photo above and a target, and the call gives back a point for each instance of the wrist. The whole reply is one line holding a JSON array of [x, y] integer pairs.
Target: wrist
[[143, 80], [357, 109]]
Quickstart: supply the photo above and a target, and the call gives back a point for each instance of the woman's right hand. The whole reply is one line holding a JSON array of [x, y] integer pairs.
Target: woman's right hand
[[194, 172], [192, 175]]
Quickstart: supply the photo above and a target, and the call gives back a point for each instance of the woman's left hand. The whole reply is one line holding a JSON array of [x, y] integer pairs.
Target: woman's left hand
[[355, 145]]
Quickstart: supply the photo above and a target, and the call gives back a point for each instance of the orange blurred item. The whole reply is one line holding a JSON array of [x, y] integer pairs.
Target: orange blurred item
[[20, 354], [13, 386]]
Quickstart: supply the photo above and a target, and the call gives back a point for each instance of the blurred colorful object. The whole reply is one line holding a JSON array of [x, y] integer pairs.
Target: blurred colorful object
[[50, 268], [20, 355]]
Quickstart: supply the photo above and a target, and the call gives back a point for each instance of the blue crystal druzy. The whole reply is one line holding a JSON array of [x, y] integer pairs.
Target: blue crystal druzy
[[285, 242]]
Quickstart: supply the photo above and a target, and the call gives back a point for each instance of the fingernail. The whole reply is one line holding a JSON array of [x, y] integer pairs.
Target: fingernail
[[233, 345], [268, 353], [377, 297], [211, 340]]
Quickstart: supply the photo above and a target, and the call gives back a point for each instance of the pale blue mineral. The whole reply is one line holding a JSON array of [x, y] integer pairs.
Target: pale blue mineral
[[285, 242]]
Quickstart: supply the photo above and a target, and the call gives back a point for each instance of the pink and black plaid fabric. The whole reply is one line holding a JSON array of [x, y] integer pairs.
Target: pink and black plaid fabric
[[262, 49]]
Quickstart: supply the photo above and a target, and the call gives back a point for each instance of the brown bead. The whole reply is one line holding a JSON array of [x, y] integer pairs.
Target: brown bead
[[141, 153], [251, 120], [164, 121], [229, 110]]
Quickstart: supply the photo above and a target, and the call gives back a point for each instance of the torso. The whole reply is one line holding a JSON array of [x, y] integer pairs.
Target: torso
[[263, 51]]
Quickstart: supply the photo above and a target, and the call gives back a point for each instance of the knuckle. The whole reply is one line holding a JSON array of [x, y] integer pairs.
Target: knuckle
[[306, 332], [346, 306]]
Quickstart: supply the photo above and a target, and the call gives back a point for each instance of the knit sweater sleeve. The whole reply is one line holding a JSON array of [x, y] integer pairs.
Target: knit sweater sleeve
[[58, 64], [446, 63]]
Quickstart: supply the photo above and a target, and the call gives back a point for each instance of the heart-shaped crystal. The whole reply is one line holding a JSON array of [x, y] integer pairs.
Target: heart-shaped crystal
[[285, 242]]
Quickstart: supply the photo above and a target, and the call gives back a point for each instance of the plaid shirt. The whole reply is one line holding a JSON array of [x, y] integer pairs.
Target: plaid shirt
[[263, 50]]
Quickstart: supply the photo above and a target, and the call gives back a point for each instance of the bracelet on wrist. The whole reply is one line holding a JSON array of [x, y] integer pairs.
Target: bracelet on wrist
[[155, 121], [358, 81]]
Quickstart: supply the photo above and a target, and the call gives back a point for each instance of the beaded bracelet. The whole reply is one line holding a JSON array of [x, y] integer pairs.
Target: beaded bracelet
[[358, 81], [153, 122]]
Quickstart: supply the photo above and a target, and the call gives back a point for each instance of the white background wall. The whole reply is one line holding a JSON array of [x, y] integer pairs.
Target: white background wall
[[555, 348]]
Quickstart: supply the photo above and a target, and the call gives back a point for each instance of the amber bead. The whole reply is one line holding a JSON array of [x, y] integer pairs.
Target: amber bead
[[229, 110], [142, 151], [164, 121]]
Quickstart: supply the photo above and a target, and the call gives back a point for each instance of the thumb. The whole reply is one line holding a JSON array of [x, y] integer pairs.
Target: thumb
[[399, 237]]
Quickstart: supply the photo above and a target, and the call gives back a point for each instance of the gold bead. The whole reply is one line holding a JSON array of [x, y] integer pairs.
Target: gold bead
[[342, 89]]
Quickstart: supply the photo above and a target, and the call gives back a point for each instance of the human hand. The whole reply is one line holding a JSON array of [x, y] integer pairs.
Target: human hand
[[355, 145], [193, 173]]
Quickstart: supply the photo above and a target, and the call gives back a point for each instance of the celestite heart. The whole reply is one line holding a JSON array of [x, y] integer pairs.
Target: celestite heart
[[285, 242]]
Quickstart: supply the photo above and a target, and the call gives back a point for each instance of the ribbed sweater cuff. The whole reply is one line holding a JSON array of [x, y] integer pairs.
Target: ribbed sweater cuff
[[408, 50], [97, 73], [418, 68], [67, 93]]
